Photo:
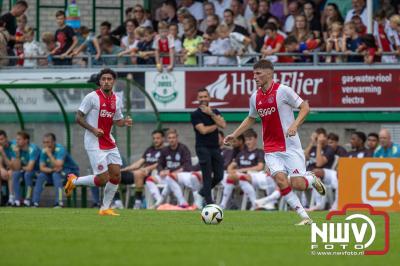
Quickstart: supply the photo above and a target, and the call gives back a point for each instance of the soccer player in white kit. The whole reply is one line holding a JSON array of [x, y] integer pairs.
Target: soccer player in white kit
[[274, 104], [98, 112]]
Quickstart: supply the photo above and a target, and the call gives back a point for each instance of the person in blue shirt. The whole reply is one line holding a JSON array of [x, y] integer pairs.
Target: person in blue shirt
[[24, 164], [6, 150], [386, 148], [55, 164]]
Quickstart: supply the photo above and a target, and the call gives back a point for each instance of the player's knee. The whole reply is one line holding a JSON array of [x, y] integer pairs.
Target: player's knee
[[244, 178], [115, 180]]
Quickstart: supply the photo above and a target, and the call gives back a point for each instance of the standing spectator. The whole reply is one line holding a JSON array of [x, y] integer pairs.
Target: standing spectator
[[229, 21], [22, 22], [334, 43], [24, 164], [278, 8], [209, 37], [222, 47], [383, 42], [113, 51], [169, 7], [191, 42], [294, 10], [301, 30], [333, 141], [145, 48], [164, 48], [357, 142], [318, 153], [31, 48], [263, 14], [206, 122], [386, 148], [90, 45], [173, 32], [4, 37], [55, 164], [369, 49], [314, 21], [133, 48], [351, 42], [359, 9], [212, 20], [105, 30], [372, 143], [221, 6], [331, 14], [251, 10], [393, 32], [128, 41], [182, 14], [139, 16], [274, 42], [66, 39], [6, 152], [209, 10], [237, 7], [361, 29], [120, 31], [10, 20], [195, 8]]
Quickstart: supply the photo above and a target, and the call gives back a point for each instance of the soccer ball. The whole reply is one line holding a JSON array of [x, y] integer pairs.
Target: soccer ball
[[212, 214]]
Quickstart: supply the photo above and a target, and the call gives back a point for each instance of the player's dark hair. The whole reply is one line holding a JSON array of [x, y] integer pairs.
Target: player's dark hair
[[107, 71], [333, 136], [158, 131], [21, 3], [3, 133], [373, 134], [24, 135], [250, 133], [263, 64], [320, 130], [360, 135], [240, 137], [106, 24], [60, 13], [50, 135], [202, 90], [221, 133]]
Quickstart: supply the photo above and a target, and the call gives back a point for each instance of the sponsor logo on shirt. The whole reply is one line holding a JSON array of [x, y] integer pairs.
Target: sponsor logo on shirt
[[266, 111], [107, 114]]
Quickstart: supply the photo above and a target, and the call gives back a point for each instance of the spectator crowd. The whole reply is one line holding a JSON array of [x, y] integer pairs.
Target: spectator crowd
[[167, 164], [224, 32]]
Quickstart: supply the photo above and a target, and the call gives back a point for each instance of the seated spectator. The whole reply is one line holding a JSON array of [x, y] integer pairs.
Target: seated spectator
[[313, 19], [229, 21], [369, 49], [318, 153], [4, 38], [372, 143], [357, 142], [195, 8], [138, 171], [222, 47], [174, 167], [351, 42], [241, 44], [90, 45], [278, 9], [293, 10], [246, 169], [274, 43], [145, 48], [330, 15], [386, 148], [238, 19], [359, 9], [111, 52], [209, 11], [6, 151], [139, 16], [164, 48], [334, 43], [31, 48], [383, 42], [333, 141], [55, 164], [24, 164], [105, 31], [66, 39]]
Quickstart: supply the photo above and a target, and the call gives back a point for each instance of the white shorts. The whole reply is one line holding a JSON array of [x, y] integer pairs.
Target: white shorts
[[157, 179], [290, 162], [189, 180], [261, 181], [100, 159]]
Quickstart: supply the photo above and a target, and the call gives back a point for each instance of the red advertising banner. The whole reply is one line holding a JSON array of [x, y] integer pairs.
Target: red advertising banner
[[324, 89]]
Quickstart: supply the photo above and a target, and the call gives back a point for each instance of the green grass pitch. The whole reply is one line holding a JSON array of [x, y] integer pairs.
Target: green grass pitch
[[81, 237]]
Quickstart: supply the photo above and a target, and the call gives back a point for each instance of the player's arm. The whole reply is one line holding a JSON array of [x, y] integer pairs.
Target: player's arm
[[15, 163], [45, 169], [4, 157], [218, 120], [246, 124], [320, 159], [134, 166], [80, 119], [301, 117], [123, 122], [232, 166], [151, 167], [29, 167]]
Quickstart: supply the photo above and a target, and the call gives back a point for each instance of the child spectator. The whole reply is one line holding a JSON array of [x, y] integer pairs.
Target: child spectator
[[393, 32], [361, 29], [382, 40], [145, 48], [273, 43], [19, 51], [190, 43], [334, 42], [222, 45], [164, 47], [331, 14], [129, 40], [65, 36], [49, 45], [133, 48], [351, 42], [4, 38], [369, 49], [173, 31], [31, 48], [21, 25], [90, 45]]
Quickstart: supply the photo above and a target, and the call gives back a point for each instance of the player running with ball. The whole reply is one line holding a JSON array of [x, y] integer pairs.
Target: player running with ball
[[274, 104], [98, 112]]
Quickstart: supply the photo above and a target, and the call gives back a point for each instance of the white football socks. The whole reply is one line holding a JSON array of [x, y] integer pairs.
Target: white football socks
[[249, 191], [154, 191], [109, 193], [226, 195], [294, 202], [87, 180], [176, 189]]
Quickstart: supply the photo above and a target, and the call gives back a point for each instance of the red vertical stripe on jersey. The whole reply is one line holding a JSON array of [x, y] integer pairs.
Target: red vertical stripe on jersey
[[163, 46], [105, 121], [267, 108]]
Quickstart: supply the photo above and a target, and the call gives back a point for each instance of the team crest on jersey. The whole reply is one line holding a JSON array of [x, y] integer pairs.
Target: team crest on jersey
[[157, 155], [177, 157], [252, 156], [100, 167], [270, 99]]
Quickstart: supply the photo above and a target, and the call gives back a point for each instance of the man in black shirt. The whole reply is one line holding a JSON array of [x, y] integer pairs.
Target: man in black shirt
[[333, 141], [10, 18], [357, 142], [206, 122], [372, 143]]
